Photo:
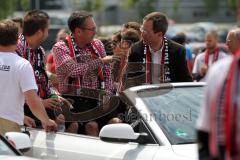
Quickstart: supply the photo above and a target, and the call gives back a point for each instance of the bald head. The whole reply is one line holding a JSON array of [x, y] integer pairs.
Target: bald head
[[233, 40]]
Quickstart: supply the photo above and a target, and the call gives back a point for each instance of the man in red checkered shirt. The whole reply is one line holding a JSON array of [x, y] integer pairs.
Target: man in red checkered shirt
[[81, 61], [81, 57]]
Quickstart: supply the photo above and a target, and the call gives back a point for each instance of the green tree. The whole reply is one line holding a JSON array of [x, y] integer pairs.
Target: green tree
[[175, 6], [233, 4], [129, 3], [25, 5], [7, 8], [211, 5], [92, 5]]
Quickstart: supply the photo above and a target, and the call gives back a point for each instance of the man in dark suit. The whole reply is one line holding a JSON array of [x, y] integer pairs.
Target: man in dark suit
[[156, 59]]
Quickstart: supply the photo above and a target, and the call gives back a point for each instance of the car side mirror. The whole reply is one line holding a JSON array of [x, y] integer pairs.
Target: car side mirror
[[20, 141], [121, 132]]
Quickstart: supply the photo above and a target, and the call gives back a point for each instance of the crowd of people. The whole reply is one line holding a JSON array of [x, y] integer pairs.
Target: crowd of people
[[33, 86]]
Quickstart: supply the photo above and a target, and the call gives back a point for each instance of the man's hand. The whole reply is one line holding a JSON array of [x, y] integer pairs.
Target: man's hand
[[65, 102], [51, 103], [29, 122], [53, 79], [107, 59], [50, 126], [117, 86], [203, 70]]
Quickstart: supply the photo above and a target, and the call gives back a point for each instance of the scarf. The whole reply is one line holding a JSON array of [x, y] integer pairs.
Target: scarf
[[164, 68], [224, 113], [215, 56], [35, 57], [95, 52]]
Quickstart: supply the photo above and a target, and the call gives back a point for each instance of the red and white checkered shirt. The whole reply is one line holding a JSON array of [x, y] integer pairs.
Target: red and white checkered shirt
[[87, 70]]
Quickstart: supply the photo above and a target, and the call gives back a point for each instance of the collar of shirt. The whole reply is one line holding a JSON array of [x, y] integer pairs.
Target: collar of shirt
[[154, 51], [156, 55]]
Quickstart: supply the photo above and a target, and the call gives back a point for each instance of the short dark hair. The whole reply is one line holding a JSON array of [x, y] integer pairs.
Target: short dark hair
[[180, 38], [77, 19], [8, 33], [18, 20], [159, 21], [130, 35], [107, 45], [118, 35], [33, 21], [133, 25]]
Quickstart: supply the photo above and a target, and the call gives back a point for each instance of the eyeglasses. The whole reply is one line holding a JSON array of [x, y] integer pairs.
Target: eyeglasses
[[94, 29]]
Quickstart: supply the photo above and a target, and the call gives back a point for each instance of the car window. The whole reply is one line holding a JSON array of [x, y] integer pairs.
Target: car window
[[175, 111], [139, 125]]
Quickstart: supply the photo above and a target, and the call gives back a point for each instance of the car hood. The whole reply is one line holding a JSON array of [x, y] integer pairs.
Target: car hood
[[186, 150], [5, 157]]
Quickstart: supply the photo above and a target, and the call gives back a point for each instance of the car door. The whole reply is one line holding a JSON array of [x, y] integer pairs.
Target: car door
[[74, 147]]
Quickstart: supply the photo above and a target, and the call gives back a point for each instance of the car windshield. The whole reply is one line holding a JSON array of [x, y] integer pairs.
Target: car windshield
[[175, 111], [4, 148]]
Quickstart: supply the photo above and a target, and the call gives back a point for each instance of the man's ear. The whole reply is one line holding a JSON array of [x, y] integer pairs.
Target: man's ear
[[160, 34], [77, 31], [39, 33]]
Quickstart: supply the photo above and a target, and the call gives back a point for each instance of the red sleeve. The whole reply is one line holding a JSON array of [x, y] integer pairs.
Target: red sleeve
[[50, 58]]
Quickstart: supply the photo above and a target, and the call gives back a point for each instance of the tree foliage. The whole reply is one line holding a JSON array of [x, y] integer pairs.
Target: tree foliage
[[146, 7], [211, 5], [7, 7], [129, 3], [25, 5], [233, 4], [175, 6], [92, 5]]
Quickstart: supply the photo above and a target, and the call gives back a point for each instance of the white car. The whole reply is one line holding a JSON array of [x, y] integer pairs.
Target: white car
[[9, 152], [160, 126]]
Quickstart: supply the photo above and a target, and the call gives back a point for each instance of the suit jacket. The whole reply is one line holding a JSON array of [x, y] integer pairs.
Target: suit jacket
[[177, 61]]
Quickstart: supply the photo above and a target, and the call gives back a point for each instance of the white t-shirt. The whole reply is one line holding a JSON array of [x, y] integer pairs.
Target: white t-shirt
[[215, 79], [16, 77], [199, 61]]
